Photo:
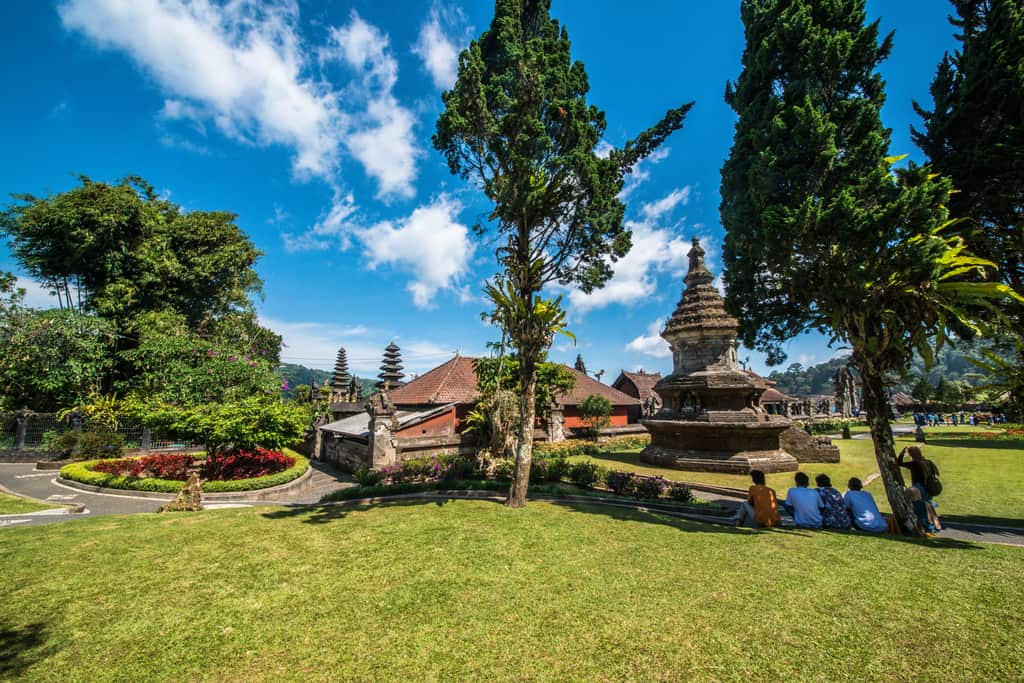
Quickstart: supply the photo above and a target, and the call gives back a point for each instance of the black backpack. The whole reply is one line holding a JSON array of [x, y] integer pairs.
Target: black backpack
[[932, 483]]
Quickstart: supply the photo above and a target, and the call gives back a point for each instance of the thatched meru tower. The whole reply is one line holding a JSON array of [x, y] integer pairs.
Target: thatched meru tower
[[391, 369], [341, 379]]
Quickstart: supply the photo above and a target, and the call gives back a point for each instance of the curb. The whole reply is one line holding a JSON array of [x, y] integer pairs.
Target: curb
[[261, 495], [70, 508]]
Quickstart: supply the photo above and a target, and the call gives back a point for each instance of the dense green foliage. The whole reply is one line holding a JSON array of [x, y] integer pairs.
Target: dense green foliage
[[974, 133], [821, 233], [83, 473], [52, 358], [517, 123], [596, 411], [152, 300]]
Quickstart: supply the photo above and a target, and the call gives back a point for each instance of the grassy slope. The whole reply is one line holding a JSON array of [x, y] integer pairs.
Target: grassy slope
[[471, 590], [16, 505], [983, 480]]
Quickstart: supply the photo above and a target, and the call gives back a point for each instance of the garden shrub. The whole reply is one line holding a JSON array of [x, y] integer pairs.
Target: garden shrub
[[364, 476], [648, 487], [242, 464], [538, 471], [173, 466], [94, 445], [628, 442], [503, 469], [680, 492], [619, 482], [61, 443], [85, 473], [558, 469], [584, 473], [565, 449]]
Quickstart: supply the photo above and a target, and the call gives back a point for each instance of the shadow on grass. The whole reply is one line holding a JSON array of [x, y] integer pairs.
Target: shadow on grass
[[323, 514], [994, 444], [21, 647], [1014, 522]]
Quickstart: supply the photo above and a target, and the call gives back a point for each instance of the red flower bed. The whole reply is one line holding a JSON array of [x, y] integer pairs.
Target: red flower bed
[[245, 464], [163, 466]]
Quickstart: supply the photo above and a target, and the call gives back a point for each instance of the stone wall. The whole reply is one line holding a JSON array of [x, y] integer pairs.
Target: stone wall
[[344, 452], [807, 448]]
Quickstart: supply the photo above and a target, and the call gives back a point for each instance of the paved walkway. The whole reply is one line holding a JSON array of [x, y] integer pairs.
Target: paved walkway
[[24, 480]]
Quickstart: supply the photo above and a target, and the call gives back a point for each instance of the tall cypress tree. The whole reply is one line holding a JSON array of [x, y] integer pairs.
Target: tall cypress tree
[[517, 123], [821, 233], [974, 133]]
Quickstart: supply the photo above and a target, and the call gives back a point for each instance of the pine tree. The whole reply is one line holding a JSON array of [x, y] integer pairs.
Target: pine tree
[[517, 123], [391, 369], [821, 233], [580, 366], [341, 378], [974, 133]]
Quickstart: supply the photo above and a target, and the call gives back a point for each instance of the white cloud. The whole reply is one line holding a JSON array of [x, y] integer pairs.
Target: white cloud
[[430, 243], [641, 172], [437, 49], [36, 295], [651, 344], [315, 345], [383, 141], [666, 204], [332, 228], [244, 66], [655, 250]]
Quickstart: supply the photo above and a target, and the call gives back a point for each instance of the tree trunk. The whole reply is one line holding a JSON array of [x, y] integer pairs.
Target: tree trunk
[[877, 405], [524, 445]]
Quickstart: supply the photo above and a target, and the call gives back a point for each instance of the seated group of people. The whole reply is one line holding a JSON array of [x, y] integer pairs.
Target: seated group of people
[[820, 508]]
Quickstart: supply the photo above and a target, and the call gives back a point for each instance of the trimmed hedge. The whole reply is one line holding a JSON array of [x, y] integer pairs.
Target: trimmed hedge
[[83, 473]]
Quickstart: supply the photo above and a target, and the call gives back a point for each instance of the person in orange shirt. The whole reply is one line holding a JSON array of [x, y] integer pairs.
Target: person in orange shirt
[[760, 509]]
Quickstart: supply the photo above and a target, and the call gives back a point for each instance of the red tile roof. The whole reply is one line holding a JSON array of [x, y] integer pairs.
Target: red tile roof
[[451, 382], [643, 382], [455, 382], [587, 385], [775, 396]]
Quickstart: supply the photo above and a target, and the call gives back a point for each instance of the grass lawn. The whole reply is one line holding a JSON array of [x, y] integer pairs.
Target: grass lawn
[[468, 590], [16, 505], [983, 481]]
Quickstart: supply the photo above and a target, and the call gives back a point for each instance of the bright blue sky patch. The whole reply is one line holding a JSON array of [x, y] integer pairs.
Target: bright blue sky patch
[[312, 122]]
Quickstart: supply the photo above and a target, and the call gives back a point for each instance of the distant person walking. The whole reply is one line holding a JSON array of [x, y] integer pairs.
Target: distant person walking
[[804, 504], [862, 508], [761, 508]]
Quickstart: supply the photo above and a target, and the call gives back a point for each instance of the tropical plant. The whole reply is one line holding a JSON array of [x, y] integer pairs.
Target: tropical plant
[[596, 411], [517, 123], [821, 233]]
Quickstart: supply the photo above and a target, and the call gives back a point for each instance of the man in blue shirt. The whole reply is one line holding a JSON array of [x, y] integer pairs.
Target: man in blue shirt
[[863, 510], [804, 503]]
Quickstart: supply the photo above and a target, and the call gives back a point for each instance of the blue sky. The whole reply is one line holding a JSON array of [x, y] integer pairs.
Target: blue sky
[[312, 122]]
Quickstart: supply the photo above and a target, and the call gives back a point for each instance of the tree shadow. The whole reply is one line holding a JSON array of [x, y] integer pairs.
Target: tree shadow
[[1013, 522], [990, 444], [23, 646]]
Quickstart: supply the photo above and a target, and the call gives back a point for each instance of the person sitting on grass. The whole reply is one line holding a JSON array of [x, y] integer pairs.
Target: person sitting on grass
[[804, 504], [760, 508], [833, 512], [862, 508]]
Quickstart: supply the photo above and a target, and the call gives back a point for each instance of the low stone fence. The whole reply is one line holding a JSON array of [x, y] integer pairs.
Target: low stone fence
[[807, 448]]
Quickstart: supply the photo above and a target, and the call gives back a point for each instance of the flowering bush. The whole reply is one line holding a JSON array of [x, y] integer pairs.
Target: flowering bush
[[619, 482], [680, 492], [585, 473], [172, 466], [648, 487], [565, 449], [625, 443], [242, 464]]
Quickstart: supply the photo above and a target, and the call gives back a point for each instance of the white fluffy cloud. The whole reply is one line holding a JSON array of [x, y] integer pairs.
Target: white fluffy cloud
[[666, 204], [655, 251], [333, 228], [244, 66], [642, 172], [437, 49], [651, 344], [430, 243]]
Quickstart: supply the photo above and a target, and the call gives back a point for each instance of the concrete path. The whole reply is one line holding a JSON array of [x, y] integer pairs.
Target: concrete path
[[24, 480]]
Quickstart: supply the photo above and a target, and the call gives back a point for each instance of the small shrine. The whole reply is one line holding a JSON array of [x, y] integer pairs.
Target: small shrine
[[711, 419]]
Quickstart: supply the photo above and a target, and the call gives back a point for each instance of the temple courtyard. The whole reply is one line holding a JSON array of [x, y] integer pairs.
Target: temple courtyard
[[470, 590]]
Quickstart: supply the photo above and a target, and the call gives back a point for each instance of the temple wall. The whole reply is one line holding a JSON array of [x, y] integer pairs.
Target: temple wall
[[807, 448], [619, 417]]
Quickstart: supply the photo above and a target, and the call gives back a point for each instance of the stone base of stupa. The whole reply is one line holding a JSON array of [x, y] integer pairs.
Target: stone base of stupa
[[735, 448]]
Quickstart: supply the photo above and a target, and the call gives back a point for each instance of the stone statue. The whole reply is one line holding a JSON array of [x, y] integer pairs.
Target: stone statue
[[845, 390]]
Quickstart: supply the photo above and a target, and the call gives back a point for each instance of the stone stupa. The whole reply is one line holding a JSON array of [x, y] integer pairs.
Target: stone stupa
[[712, 419]]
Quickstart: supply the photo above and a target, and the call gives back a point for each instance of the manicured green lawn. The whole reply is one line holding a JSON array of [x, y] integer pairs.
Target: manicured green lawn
[[469, 590], [983, 480], [16, 505]]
